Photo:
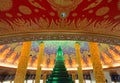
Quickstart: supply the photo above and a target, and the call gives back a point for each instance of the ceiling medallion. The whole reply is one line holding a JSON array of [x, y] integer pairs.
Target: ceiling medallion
[[63, 7]]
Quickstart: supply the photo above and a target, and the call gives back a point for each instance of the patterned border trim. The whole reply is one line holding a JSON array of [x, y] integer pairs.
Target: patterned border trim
[[75, 36]]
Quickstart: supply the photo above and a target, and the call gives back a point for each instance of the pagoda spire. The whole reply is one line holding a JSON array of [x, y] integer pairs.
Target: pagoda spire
[[59, 55], [59, 73]]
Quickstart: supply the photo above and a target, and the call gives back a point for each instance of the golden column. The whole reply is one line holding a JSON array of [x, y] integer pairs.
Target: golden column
[[22, 66], [96, 62], [78, 59], [44, 78], [39, 60], [73, 77]]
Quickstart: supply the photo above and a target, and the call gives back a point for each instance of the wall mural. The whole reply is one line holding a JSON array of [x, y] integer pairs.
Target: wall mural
[[109, 54]]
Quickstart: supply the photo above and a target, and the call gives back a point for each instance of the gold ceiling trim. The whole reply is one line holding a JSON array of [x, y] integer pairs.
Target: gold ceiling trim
[[77, 36]]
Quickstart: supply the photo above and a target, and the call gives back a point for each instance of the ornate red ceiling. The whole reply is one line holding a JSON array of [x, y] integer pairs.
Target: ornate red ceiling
[[94, 20], [88, 20]]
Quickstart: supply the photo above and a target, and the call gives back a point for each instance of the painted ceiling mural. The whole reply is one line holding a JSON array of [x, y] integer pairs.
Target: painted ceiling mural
[[86, 16], [109, 54]]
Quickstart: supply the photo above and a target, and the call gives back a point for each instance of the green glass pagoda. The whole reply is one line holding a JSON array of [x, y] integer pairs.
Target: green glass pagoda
[[59, 73]]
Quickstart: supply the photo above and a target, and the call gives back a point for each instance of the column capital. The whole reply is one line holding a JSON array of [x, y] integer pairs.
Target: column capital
[[41, 44], [94, 43], [77, 45]]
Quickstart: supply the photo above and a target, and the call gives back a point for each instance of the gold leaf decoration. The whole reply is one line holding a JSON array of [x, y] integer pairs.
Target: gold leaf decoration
[[92, 5], [32, 2], [117, 17], [52, 13], [22, 25], [64, 2], [5, 5], [4, 26], [90, 11], [33, 25], [39, 24], [36, 10], [91, 26], [82, 24], [104, 26], [106, 16], [43, 23], [102, 11], [109, 1], [117, 29], [8, 15], [74, 14], [19, 14], [64, 5], [118, 5], [25, 10]]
